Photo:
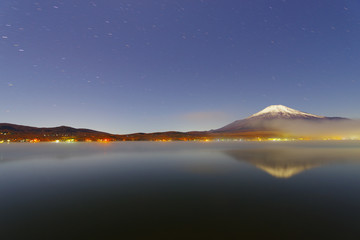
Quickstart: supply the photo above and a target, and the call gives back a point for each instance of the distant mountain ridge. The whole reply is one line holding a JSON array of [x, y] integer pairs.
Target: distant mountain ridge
[[267, 123], [22, 128], [14, 131]]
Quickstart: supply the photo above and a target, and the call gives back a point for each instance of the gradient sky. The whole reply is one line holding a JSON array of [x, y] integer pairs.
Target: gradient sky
[[126, 66]]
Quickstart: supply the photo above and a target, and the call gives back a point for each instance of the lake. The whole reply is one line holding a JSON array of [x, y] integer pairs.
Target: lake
[[180, 190]]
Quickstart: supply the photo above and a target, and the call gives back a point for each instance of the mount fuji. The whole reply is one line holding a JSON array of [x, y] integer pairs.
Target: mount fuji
[[265, 119]]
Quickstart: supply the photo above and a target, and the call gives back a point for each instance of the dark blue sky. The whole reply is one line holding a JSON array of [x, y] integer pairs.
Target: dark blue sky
[[144, 65]]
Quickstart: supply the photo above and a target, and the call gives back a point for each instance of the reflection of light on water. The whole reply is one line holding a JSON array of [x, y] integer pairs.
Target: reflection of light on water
[[283, 172], [287, 162]]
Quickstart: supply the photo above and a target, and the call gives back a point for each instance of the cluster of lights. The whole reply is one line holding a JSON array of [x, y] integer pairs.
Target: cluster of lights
[[71, 140], [103, 140], [256, 139]]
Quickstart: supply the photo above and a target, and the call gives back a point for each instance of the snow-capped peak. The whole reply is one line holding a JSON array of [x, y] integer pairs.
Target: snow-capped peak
[[284, 111]]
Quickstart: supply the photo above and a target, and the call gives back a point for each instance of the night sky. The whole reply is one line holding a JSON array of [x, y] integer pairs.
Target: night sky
[[125, 66]]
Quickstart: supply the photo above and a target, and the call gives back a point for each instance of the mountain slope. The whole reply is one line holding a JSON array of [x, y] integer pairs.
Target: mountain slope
[[265, 119]]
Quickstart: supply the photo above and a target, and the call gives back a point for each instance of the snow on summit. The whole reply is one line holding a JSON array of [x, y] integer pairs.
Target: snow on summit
[[283, 111]]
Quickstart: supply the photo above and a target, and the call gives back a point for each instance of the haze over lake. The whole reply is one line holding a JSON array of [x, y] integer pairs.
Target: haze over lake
[[180, 190]]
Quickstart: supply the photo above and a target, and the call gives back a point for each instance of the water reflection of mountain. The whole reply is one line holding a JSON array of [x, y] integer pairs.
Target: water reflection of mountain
[[287, 162]]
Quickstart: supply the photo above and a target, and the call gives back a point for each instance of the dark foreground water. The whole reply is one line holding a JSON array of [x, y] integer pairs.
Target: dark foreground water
[[180, 191]]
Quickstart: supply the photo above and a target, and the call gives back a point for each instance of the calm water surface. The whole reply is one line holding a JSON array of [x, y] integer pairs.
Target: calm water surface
[[144, 190]]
